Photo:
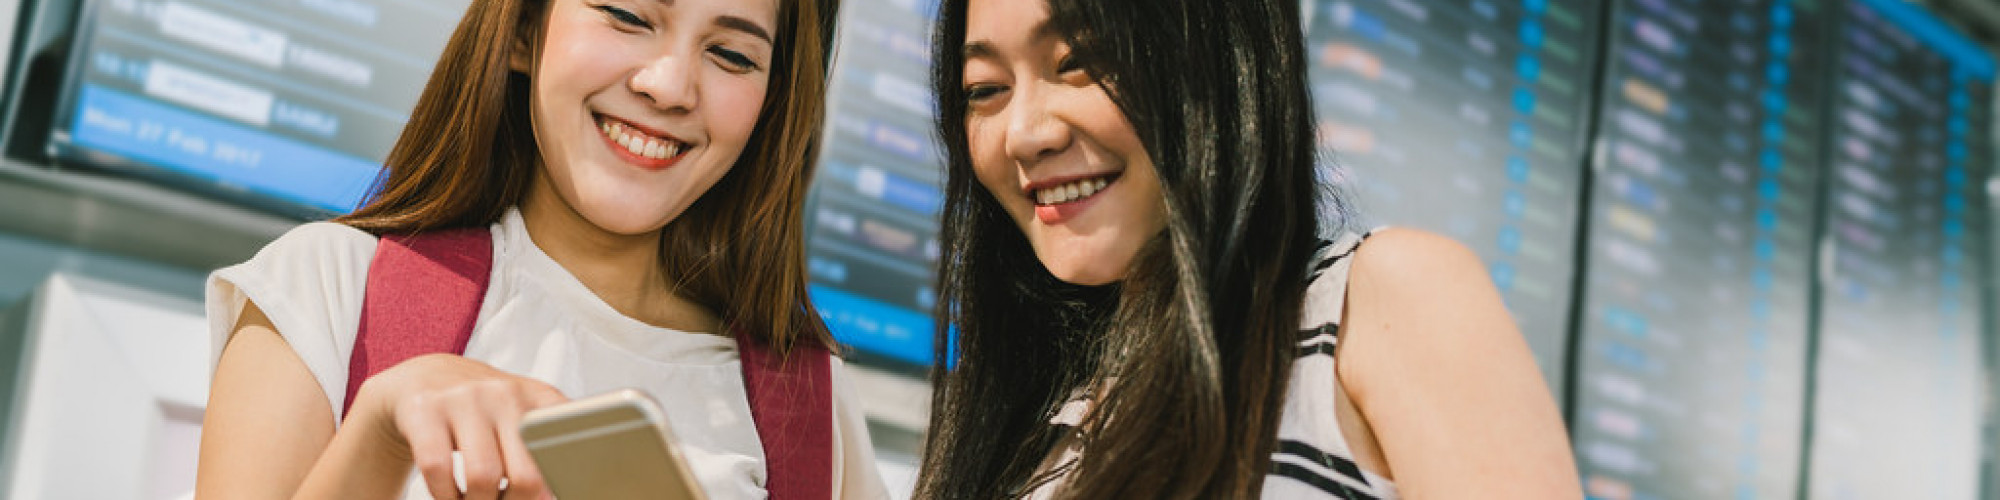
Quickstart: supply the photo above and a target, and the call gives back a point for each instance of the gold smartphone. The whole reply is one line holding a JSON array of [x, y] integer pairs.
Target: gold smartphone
[[610, 446]]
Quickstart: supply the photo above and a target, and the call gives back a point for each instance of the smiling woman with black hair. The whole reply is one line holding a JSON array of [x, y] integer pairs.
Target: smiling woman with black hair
[[1143, 307]]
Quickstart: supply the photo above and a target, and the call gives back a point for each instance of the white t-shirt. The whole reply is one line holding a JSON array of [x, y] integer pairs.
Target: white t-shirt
[[538, 321]]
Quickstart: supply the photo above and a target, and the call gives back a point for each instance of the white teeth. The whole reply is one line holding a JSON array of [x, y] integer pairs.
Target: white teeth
[[1070, 192], [640, 144]]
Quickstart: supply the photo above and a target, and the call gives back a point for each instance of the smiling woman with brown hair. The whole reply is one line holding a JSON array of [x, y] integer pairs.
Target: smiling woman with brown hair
[[641, 167], [1142, 306]]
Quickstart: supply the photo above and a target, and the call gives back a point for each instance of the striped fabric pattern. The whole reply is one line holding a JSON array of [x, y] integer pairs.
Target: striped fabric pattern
[[1313, 460]]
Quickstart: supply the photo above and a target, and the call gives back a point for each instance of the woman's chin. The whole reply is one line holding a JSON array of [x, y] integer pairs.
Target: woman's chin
[[1085, 272], [1093, 280], [628, 220]]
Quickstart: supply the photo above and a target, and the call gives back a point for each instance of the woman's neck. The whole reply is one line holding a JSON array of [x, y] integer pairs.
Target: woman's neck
[[623, 270]]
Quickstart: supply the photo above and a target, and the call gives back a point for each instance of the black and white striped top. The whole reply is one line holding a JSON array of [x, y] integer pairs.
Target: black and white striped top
[[1312, 460]]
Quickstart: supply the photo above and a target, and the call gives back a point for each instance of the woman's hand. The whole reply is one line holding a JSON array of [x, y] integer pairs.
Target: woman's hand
[[269, 431], [435, 404]]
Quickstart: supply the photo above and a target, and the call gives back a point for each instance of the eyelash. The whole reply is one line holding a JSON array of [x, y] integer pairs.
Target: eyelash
[[624, 16], [736, 60], [1067, 64], [980, 92]]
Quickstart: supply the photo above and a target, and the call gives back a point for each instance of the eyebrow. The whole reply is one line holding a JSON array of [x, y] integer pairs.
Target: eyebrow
[[976, 50], [744, 25], [981, 48]]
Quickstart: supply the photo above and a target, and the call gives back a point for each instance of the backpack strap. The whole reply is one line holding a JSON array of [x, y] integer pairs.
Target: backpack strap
[[422, 297], [791, 402]]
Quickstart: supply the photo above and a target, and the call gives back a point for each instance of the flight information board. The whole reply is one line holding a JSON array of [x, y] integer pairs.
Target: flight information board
[[1692, 363], [1901, 387], [1466, 118], [872, 243], [295, 101]]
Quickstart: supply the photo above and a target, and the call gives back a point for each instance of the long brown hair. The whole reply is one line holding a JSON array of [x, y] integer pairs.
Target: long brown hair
[[1186, 360], [469, 153]]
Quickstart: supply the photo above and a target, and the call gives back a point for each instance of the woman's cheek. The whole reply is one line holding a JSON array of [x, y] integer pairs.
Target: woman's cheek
[[742, 101]]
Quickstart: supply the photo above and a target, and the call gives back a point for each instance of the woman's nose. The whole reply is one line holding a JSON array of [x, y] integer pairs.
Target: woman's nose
[[1033, 130], [669, 82]]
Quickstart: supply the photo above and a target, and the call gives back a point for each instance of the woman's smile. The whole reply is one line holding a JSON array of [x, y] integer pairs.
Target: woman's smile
[[1059, 200], [640, 146]]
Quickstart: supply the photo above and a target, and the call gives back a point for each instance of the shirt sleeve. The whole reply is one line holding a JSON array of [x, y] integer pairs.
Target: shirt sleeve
[[855, 475], [310, 283]]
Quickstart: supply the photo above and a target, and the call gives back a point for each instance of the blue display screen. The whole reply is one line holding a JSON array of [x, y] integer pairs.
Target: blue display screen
[[291, 103], [114, 121], [1901, 349], [872, 244], [1696, 313]]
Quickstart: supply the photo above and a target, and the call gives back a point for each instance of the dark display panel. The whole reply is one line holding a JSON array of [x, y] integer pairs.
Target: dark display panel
[[1693, 353], [293, 102], [872, 241], [1899, 407], [1466, 118]]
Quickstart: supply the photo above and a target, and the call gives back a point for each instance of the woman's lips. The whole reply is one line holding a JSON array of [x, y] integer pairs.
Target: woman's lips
[[636, 146], [1063, 200]]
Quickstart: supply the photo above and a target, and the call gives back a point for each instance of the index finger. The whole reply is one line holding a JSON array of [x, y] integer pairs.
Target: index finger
[[539, 394]]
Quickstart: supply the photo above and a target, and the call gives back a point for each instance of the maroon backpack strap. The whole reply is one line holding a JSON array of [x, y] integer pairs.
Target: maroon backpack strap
[[791, 402], [422, 297]]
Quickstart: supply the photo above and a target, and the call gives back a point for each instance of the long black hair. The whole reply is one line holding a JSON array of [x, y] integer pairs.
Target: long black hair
[[1189, 355]]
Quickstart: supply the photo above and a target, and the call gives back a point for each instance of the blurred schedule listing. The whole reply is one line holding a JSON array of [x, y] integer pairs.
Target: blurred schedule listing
[[295, 100], [1899, 407], [872, 241], [1692, 362], [1466, 118]]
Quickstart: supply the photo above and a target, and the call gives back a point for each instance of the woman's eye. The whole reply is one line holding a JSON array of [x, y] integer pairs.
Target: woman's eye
[[1069, 63], [736, 60], [982, 92], [624, 16]]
